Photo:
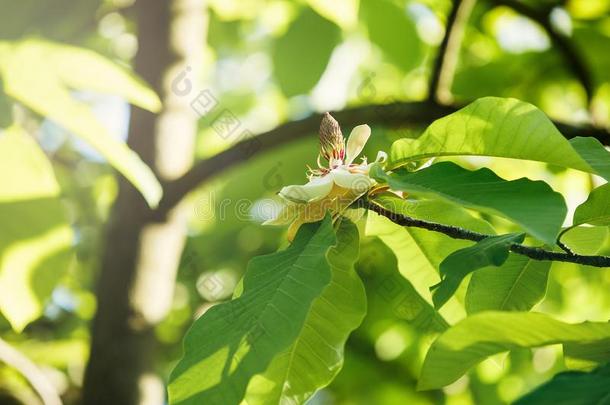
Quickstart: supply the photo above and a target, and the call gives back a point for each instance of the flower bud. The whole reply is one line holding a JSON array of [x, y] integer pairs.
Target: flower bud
[[332, 144]]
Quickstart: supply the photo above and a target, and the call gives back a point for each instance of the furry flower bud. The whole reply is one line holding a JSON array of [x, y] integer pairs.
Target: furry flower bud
[[332, 144]]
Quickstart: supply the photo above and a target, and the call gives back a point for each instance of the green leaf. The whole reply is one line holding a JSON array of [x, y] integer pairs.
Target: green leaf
[[572, 388], [517, 285], [531, 204], [40, 75], [586, 355], [491, 251], [236, 340], [316, 356], [36, 239], [390, 295], [596, 210], [594, 153], [586, 240], [420, 252], [301, 55], [393, 31], [459, 348], [492, 126]]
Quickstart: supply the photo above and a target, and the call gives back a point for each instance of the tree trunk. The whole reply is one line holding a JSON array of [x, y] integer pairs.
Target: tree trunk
[[140, 257]]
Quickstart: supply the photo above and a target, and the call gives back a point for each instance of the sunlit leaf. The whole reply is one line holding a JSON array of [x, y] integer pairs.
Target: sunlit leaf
[[594, 153], [390, 295], [492, 126], [491, 251], [420, 252], [236, 340], [572, 387], [481, 335], [596, 210], [517, 285], [586, 240], [531, 204], [316, 356], [301, 55], [35, 240], [41, 74]]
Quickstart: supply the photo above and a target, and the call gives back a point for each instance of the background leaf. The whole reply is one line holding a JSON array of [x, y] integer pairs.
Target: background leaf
[[393, 31], [236, 340], [491, 251], [481, 335], [40, 75], [301, 55], [316, 356], [531, 204], [36, 238]]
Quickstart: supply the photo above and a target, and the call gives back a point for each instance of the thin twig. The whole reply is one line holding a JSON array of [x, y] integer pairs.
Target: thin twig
[[389, 115], [443, 72], [461, 233], [562, 245]]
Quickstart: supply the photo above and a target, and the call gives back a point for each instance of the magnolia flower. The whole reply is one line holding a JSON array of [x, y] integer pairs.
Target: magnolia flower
[[341, 170], [332, 186]]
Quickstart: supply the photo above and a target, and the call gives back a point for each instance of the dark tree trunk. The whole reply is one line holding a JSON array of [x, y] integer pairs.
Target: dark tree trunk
[[140, 258]]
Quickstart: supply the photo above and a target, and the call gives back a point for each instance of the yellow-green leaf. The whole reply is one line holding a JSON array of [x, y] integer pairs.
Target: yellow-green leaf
[[41, 74], [35, 241]]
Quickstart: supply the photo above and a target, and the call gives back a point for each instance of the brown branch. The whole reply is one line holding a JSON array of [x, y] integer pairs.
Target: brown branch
[[465, 234], [563, 44], [391, 115], [444, 68]]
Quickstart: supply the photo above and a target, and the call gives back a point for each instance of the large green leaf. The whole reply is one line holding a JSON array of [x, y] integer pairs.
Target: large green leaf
[[301, 55], [35, 240], [390, 295], [316, 356], [596, 210], [517, 285], [393, 31], [234, 341], [594, 153], [491, 251], [420, 252], [572, 388], [500, 127], [531, 204], [40, 75], [459, 348]]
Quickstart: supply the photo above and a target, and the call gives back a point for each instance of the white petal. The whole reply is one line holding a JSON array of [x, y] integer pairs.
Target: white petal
[[355, 143], [284, 215], [354, 181], [316, 189]]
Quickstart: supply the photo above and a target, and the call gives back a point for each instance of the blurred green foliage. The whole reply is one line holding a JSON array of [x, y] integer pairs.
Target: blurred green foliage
[[269, 61]]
